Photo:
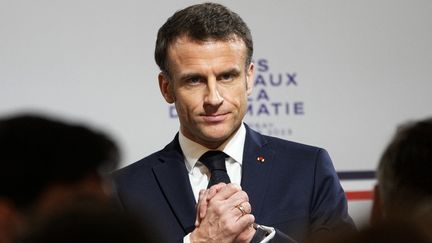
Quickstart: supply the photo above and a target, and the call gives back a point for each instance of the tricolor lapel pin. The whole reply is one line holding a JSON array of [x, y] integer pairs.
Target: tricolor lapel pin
[[261, 159]]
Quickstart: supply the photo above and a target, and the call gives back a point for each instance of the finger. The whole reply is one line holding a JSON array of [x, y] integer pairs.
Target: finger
[[245, 221], [215, 189], [246, 235], [226, 192], [201, 192], [203, 204], [200, 195], [237, 198], [201, 200], [211, 192], [242, 209], [246, 207]]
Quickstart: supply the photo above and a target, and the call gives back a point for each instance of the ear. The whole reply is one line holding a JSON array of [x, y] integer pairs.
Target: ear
[[377, 214], [166, 88], [249, 78]]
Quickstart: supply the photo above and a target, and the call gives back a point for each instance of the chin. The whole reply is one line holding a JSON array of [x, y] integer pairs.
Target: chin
[[216, 137]]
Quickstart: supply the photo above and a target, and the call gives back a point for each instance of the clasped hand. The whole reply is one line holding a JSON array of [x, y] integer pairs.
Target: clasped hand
[[223, 215]]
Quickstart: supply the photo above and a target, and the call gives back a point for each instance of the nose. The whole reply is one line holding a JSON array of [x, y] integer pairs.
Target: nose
[[213, 96]]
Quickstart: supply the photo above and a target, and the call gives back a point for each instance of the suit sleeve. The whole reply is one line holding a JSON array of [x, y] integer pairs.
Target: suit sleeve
[[328, 209]]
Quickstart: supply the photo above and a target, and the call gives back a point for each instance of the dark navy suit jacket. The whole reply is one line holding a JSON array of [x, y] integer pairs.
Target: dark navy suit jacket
[[295, 189]]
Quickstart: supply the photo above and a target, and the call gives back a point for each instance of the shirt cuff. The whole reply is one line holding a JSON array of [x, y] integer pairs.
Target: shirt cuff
[[271, 232], [186, 239]]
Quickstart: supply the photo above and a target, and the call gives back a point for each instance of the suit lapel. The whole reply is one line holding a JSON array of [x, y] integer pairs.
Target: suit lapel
[[174, 182], [257, 163]]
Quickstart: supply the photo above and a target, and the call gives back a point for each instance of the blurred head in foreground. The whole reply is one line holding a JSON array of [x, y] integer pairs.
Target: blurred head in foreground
[[93, 223], [404, 174], [46, 165]]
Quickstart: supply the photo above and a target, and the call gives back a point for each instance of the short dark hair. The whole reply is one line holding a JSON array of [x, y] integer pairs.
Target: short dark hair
[[37, 151], [202, 22], [404, 171]]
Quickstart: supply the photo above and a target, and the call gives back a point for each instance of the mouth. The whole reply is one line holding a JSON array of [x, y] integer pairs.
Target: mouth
[[214, 118]]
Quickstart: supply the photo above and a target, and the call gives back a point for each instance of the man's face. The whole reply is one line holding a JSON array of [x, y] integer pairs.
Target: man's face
[[209, 84]]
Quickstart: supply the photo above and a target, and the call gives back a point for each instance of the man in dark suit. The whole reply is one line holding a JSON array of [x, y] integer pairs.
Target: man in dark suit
[[288, 189]]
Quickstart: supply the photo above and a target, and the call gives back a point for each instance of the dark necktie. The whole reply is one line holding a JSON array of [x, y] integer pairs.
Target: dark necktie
[[215, 162]]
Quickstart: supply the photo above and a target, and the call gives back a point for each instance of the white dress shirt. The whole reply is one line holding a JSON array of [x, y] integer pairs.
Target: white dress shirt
[[199, 175]]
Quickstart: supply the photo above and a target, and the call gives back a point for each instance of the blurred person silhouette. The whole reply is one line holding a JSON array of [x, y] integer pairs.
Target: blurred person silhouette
[[93, 223], [402, 206], [404, 188], [46, 166]]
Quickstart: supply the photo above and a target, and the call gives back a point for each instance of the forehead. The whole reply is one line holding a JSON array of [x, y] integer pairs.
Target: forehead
[[186, 39], [185, 51]]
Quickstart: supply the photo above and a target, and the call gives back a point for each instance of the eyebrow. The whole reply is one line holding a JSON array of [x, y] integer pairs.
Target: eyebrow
[[187, 76], [233, 71]]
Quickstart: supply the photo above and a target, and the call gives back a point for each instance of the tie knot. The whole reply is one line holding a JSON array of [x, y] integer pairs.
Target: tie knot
[[214, 160]]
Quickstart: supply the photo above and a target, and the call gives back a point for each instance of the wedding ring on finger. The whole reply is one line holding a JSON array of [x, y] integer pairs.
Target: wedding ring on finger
[[241, 208]]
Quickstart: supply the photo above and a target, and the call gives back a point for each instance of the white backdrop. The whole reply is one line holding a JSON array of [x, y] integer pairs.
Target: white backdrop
[[347, 71]]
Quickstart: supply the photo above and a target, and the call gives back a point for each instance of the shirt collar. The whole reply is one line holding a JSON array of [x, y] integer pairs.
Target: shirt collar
[[192, 151]]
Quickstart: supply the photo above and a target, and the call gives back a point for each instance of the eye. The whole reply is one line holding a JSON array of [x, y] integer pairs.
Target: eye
[[226, 77], [194, 80]]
